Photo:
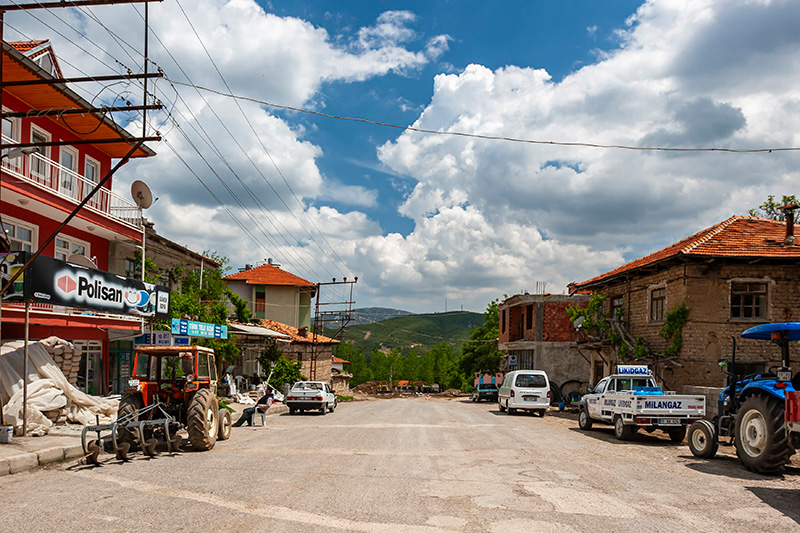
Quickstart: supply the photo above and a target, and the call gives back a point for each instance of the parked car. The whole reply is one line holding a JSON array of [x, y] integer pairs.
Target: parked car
[[311, 396], [524, 390], [485, 391]]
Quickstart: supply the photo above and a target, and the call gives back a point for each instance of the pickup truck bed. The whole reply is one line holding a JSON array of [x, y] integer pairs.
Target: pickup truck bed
[[631, 403]]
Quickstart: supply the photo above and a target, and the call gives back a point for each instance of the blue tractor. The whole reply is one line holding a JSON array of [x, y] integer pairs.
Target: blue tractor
[[752, 408]]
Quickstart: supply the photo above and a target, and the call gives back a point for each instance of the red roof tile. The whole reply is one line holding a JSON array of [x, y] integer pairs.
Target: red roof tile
[[339, 360], [269, 275], [739, 236], [295, 334], [26, 46]]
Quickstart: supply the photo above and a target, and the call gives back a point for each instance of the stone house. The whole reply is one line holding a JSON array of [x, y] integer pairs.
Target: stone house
[[731, 276], [315, 352], [536, 333]]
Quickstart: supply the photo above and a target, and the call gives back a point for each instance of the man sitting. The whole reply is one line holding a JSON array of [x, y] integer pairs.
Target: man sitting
[[262, 405]]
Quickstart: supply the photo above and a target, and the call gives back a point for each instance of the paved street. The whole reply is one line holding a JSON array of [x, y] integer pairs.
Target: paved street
[[409, 465]]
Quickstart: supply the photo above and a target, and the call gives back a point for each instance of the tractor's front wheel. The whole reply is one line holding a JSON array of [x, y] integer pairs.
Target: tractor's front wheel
[[761, 440], [225, 425], [702, 439], [202, 420]]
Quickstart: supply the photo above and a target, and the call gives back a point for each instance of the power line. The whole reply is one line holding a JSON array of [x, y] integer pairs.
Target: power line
[[274, 164], [491, 137]]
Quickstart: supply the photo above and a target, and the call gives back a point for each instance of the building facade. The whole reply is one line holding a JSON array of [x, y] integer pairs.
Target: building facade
[[40, 189], [731, 276], [274, 294], [536, 334]]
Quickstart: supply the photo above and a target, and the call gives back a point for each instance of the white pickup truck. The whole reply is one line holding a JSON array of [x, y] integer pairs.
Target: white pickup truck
[[630, 399], [310, 396]]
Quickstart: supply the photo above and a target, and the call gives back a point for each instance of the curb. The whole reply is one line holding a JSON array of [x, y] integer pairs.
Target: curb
[[57, 454]]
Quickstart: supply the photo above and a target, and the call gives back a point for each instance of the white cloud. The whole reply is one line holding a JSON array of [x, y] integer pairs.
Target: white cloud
[[490, 217], [674, 81]]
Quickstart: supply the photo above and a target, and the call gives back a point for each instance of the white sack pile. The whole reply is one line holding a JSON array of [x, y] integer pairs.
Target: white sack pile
[[48, 389]]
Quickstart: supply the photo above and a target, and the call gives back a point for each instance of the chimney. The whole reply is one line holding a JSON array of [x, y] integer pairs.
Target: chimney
[[788, 213], [303, 332]]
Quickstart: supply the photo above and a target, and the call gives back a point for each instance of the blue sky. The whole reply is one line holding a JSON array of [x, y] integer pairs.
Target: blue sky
[[426, 218], [546, 35]]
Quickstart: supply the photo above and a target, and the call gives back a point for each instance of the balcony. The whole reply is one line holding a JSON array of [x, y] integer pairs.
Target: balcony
[[48, 175]]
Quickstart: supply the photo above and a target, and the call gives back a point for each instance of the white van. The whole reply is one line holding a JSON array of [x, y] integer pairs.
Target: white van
[[527, 390]]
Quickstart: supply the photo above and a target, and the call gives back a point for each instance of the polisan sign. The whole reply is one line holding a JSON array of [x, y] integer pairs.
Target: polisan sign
[[56, 282]]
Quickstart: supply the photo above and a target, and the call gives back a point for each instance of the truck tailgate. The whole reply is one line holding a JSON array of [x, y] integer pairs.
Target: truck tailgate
[[671, 405]]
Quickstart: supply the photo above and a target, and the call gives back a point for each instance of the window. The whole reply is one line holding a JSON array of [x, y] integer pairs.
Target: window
[[21, 236], [748, 300], [616, 306], [529, 317], [69, 160], [601, 387], [132, 268], [202, 365], [531, 380], [503, 321], [38, 165], [10, 135], [658, 301], [67, 246], [91, 170]]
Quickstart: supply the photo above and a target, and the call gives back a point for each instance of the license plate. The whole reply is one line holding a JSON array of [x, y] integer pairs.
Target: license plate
[[133, 383], [530, 398], [784, 375], [669, 421]]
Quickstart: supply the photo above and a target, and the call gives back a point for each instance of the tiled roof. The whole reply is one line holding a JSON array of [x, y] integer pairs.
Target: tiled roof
[[269, 275], [739, 236], [26, 46], [339, 360], [294, 333]]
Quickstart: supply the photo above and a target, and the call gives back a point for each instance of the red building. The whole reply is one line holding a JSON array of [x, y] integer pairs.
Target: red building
[[39, 190]]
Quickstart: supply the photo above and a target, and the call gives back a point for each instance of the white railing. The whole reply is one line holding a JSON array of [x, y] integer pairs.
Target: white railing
[[47, 174]]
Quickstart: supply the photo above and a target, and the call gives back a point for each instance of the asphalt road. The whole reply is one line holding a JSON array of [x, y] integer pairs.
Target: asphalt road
[[409, 465]]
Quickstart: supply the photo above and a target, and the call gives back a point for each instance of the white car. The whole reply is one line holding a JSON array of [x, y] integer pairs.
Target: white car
[[311, 396], [524, 390]]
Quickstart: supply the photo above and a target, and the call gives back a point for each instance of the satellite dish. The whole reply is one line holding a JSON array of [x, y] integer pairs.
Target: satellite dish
[[141, 194], [82, 260]]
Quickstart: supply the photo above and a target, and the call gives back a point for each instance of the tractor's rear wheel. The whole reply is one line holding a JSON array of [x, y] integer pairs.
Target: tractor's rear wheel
[[761, 440], [224, 425], [202, 420], [128, 406]]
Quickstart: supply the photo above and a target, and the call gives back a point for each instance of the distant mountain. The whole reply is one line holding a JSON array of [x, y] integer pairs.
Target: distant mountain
[[368, 315], [417, 332]]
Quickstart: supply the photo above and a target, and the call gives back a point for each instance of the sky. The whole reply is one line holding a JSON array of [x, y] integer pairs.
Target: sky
[[443, 222]]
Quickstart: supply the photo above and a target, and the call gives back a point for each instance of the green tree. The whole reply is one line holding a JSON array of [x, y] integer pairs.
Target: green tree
[[770, 208], [480, 353], [270, 355], [286, 371]]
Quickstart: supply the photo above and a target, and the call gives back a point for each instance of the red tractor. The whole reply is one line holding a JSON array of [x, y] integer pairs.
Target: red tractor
[[182, 380]]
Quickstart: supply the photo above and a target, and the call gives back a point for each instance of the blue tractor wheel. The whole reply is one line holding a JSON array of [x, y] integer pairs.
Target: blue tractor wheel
[[761, 440]]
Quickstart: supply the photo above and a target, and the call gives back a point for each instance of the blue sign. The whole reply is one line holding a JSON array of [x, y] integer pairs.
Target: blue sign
[[198, 329], [157, 338], [181, 341]]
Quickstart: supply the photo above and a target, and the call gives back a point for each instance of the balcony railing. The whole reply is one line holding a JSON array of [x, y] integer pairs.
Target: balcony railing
[[49, 175]]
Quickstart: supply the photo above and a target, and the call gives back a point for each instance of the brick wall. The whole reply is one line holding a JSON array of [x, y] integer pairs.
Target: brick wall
[[557, 326], [705, 289]]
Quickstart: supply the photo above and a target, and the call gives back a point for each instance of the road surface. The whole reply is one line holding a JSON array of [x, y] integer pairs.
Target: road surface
[[411, 465]]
